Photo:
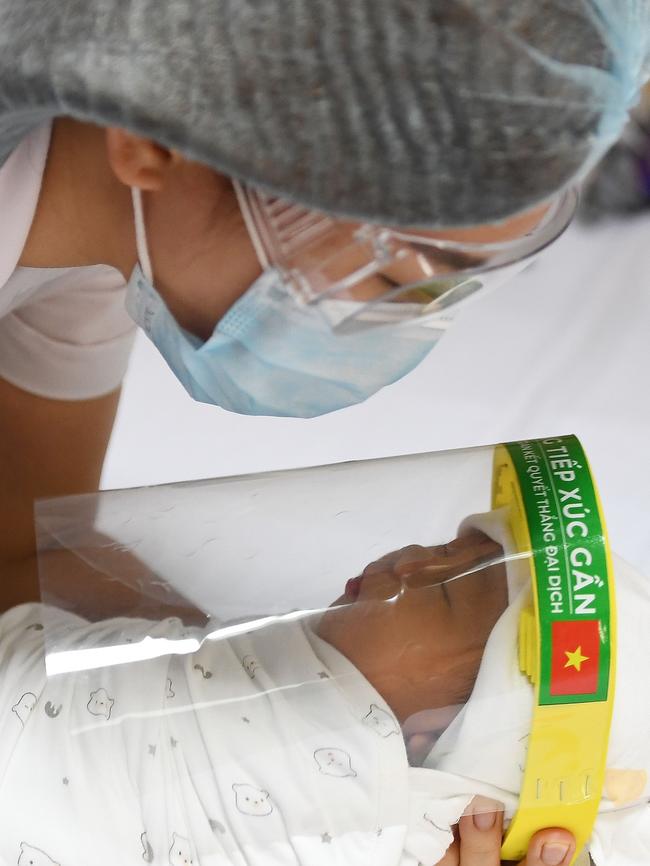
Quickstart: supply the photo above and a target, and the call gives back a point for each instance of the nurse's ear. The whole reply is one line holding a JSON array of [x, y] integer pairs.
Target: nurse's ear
[[139, 162]]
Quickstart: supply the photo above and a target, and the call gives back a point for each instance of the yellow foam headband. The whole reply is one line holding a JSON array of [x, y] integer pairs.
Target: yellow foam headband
[[567, 639]]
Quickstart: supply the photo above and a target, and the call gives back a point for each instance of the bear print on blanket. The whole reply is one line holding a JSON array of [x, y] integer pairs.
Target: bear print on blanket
[[30, 856], [100, 704], [334, 762], [24, 706], [180, 853], [252, 801]]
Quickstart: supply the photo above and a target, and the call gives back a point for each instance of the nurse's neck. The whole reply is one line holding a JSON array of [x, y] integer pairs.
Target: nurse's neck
[[84, 214]]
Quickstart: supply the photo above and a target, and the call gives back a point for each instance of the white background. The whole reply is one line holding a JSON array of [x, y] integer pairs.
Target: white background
[[564, 348]]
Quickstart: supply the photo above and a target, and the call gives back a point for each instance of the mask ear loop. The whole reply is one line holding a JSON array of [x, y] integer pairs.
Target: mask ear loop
[[141, 235], [253, 233]]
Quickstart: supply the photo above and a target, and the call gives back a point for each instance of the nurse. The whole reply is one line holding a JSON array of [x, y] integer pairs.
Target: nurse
[[291, 196]]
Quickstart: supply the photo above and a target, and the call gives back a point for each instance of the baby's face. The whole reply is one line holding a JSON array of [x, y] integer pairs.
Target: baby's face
[[413, 631]]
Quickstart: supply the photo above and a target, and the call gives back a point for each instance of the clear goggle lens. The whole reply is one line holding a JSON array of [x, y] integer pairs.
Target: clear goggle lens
[[363, 275]]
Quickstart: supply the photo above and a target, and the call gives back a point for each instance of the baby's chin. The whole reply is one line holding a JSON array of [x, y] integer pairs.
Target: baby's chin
[[341, 600], [351, 593], [323, 623]]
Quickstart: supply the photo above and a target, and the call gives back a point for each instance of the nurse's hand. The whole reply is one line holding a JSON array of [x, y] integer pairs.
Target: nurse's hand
[[478, 842]]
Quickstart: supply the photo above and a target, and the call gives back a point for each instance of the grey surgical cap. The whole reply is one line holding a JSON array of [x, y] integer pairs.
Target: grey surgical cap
[[430, 112]]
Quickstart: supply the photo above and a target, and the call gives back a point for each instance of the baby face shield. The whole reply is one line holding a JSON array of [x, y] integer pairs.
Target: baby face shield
[[329, 665], [363, 275]]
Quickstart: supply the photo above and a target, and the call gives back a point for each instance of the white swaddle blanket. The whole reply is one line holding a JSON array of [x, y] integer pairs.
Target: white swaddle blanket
[[484, 749], [267, 748], [270, 748]]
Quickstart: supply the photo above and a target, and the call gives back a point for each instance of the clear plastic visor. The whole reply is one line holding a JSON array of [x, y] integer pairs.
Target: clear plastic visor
[[363, 274], [381, 592], [409, 631]]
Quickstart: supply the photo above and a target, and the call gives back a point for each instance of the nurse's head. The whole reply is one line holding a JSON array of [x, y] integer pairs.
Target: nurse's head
[[265, 307], [397, 157]]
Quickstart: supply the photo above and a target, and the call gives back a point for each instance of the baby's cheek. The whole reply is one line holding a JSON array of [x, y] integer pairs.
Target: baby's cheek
[[355, 635]]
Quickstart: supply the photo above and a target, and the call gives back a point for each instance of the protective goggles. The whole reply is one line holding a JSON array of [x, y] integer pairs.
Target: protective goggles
[[364, 275]]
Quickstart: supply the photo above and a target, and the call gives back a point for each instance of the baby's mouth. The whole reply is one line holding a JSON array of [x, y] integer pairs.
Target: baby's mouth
[[353, 588], [378, 588]]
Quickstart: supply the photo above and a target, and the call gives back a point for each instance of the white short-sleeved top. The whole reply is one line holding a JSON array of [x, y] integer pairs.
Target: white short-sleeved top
[[263, 748], [64, 332]]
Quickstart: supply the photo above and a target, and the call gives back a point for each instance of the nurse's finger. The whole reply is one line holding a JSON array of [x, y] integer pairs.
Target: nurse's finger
[[550, 848], [480, 833]]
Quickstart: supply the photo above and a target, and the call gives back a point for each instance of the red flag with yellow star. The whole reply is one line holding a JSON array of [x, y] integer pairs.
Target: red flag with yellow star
[[576, 656]]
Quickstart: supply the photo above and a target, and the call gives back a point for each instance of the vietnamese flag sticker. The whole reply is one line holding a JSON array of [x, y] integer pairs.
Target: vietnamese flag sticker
[[575, 664]]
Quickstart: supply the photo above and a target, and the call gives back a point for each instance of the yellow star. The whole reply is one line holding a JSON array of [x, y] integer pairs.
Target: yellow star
[[575, 659]]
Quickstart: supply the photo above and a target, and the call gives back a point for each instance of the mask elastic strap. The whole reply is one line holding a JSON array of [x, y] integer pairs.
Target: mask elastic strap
[[141, 235], [254, 235]]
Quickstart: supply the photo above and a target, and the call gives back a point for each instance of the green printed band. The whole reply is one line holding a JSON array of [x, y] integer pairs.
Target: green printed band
[[570, 568]]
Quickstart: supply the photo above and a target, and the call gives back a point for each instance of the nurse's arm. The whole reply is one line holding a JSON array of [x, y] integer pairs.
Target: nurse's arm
[[56, 448], [47, 448]]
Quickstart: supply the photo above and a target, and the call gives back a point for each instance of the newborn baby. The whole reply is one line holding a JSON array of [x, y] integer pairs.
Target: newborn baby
[[285, 743], [271, 745]]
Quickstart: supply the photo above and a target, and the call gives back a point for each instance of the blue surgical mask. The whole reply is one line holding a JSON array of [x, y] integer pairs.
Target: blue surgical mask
[[271, 354]]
